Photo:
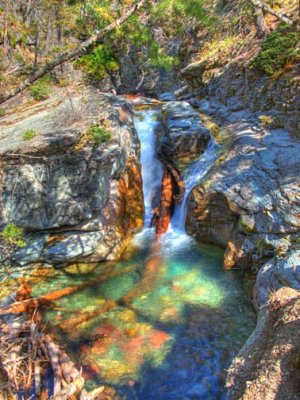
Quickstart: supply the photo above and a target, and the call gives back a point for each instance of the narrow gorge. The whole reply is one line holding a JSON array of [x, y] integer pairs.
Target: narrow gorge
[[149, 200]]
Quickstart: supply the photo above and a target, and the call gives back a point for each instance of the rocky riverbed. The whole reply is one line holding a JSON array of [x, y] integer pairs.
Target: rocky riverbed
[[79, 202]]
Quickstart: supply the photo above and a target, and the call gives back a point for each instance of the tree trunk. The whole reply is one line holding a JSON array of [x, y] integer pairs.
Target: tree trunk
[[73, 54], [166, 202], [260, 4], [261, 28]]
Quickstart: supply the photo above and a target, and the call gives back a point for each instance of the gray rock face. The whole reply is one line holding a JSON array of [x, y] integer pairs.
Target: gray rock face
[[275, 274], [239, 88], [62, 190], [250, 200], [183, 137], [267, 365], [61, 180], [32, 252], [72, 247]]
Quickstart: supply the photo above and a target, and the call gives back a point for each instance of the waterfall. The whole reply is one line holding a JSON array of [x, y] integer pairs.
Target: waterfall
[[152, 170], [192, 176], [146, 123]]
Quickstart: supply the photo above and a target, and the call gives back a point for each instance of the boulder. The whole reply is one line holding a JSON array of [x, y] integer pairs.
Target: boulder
[[267, 367], [61, 184], [249, 202], [275, 274], [183, 137]]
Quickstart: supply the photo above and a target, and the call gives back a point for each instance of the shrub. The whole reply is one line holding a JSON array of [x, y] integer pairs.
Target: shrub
[[29, 134], [98, 62], [2, 112], [40, 90], [99, 134], [14, 235], [277, 50]]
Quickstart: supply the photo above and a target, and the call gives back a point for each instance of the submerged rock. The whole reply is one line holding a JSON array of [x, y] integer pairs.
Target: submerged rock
[[64, 183]]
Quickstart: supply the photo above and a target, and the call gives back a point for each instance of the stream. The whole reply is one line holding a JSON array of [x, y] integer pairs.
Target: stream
[[177, 318]]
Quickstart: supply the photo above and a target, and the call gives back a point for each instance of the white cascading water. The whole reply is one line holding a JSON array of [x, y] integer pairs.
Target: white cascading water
[[152, 169], [152, 172], [191, 178]]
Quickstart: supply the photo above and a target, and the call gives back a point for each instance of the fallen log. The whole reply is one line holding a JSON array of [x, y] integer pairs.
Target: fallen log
[[72, 323], [265, 7], [30, 305], [179, 189], [166, 201], [71, 55]]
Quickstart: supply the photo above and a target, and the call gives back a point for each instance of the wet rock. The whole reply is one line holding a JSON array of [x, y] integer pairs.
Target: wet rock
[[62, 181], [248, 202], [183, 137], [198, 390], [167, 96]]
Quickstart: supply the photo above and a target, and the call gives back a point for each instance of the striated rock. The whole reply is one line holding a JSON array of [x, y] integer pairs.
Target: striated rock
[[238, 87], [62, 183], [183, 137], [249, 203], [71, 248], [276, 273], [32, 251], [268, 365]]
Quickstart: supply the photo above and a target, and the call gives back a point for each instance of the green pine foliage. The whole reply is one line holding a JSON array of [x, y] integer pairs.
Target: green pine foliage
[[40, 90], [278, 49], [98, 62]]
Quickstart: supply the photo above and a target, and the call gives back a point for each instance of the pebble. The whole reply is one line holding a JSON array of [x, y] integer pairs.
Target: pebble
[[198, 390]]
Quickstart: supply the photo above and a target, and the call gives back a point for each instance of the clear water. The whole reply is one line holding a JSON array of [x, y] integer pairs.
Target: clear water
[[192, 176], [175, 320], [152, 169]]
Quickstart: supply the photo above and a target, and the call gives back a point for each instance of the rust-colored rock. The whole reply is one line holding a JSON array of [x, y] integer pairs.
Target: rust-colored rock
[[130, 201], [166, 201]]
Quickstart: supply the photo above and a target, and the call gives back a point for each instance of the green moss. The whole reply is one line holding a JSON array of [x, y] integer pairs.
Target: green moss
[[41, 90], [271, 122], [277, 50], [29, 134], [99, 134], [266, 120], [2, 112], [14, 235]]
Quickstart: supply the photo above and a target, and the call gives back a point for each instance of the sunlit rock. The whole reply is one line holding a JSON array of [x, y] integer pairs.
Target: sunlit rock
[[183, 137], [87, 196]]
